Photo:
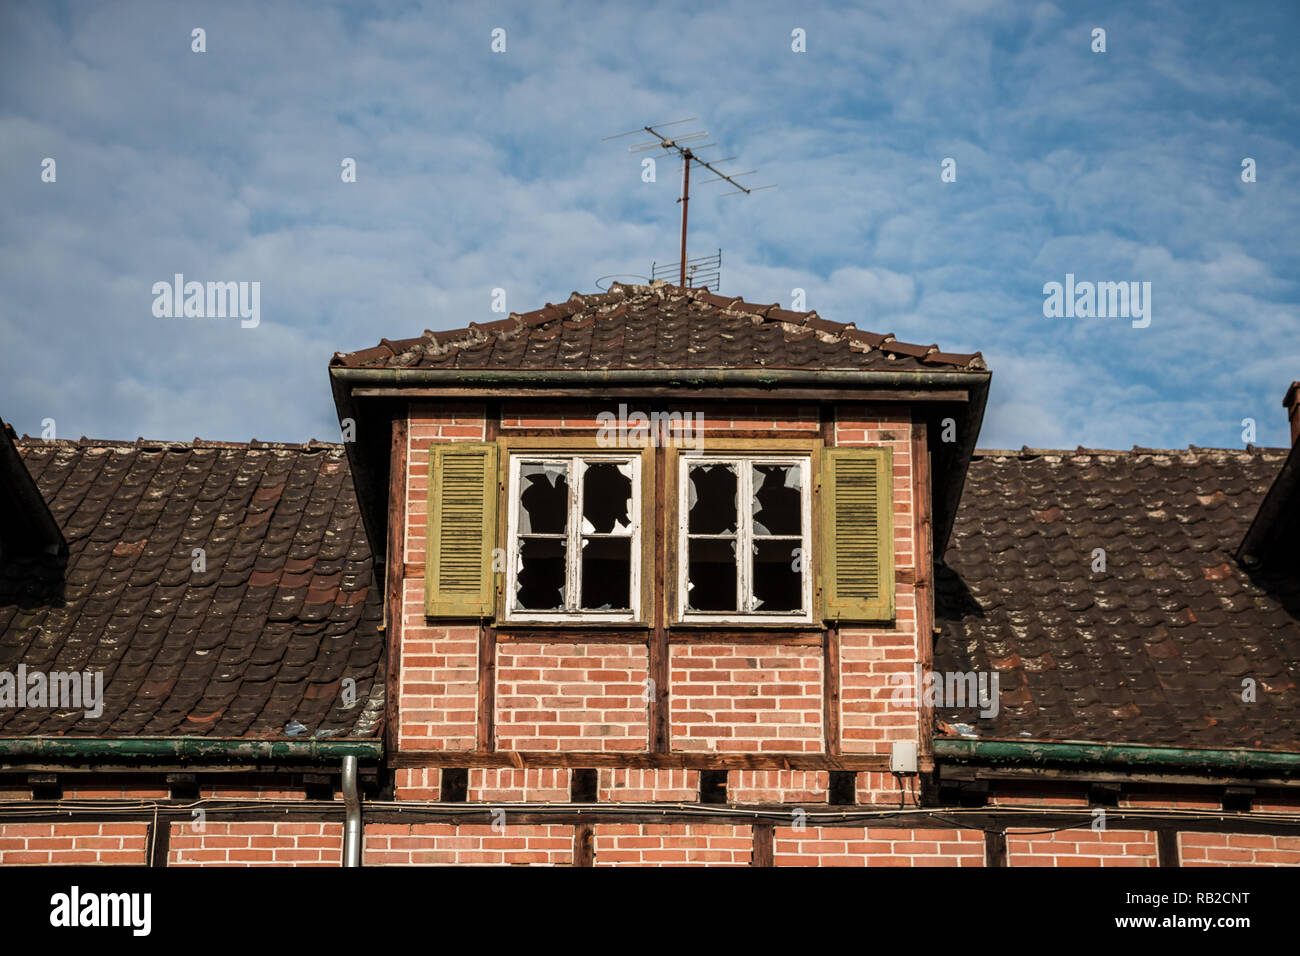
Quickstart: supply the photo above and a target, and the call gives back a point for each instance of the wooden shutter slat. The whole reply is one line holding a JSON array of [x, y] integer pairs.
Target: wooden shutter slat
[[462, 510], [858, 560]]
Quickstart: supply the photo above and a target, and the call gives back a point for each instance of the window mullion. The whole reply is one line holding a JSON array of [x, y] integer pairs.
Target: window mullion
[[573, 567], [744, 534]]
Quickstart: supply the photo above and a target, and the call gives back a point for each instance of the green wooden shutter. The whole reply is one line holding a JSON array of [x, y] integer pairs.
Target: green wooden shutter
[[462, 510], [858, 518]]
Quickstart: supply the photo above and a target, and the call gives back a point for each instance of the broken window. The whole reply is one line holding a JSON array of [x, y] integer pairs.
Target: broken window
[[746, 535], [575, 536]]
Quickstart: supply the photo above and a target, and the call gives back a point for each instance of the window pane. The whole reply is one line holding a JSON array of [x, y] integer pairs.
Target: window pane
[[540, 574], [607, 498], [543, 497], [711, 574], [711, 498], [606, 574], [778, 584], [776, 502]]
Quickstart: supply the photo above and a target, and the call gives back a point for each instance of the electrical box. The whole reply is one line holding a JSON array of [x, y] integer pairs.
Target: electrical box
[[902, 757]]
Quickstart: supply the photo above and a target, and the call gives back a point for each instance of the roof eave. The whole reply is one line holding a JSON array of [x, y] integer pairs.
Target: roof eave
[[1042, 753], [682, 377]]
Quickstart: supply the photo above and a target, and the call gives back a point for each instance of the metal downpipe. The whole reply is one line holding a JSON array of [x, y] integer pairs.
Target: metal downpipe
[[352, 837]]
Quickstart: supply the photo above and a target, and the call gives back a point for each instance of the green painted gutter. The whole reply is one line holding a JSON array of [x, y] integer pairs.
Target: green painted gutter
[[187, 748], [1130, 756]]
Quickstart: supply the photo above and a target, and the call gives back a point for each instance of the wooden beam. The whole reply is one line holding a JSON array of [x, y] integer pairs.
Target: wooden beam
[[831, 653], [660, 729], [158, 841], [995, 848], [831, 690], [485, 698], [764, 841], [584, 845], [486, 685], [394, 570], [923, 551], [1167, 849]]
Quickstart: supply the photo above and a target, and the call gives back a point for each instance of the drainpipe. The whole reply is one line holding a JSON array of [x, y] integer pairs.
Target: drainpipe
[[352, 825]]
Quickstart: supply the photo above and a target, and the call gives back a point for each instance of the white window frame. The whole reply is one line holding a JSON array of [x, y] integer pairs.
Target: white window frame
[[577, 463], [744, 539]]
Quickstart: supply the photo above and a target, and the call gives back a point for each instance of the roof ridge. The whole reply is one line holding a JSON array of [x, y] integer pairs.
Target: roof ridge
[[146, 444], [1250, 451], [613, 304]]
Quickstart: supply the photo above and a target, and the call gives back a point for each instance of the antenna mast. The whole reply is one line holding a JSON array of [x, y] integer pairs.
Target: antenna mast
[[688, 155]]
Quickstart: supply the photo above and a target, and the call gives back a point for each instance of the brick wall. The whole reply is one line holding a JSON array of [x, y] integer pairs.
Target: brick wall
[[647, 786], [491, 784], [876, 846], [1083, 847], [571, 697], [873, 660], [745, 698], [63, 844], [778, 786], [441, 844], [256, 844], [1238, 849], [438, 701], [422, 783], [873, 788], [717, 418], [680, 844]]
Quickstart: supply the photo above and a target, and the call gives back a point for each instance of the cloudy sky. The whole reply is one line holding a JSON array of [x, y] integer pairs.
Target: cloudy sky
[[479, 170]]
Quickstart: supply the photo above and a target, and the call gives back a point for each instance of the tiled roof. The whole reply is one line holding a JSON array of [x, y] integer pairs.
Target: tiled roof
[[663, 327], [1152, 650], [284, 610]]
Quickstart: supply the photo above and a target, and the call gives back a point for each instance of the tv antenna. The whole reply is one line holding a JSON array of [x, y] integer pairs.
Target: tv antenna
[[680, 144]]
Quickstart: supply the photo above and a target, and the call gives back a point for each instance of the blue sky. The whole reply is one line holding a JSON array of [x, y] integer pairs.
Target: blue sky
[[479, 170]]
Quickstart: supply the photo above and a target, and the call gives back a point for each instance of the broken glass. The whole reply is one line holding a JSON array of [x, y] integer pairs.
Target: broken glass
[[606, 574], [711, 574], [607, 498], [711, 499], [543, 497], [539, 573], [777, 505], [778, 582]]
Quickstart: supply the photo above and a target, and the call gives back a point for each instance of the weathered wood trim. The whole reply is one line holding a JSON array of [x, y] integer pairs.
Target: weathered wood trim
[[1167, 854], [584, 845], [923, 555], [485, 722], [659, 706], [395, 572], [764, 845], [831, 690], [159, 839], [995, 848]]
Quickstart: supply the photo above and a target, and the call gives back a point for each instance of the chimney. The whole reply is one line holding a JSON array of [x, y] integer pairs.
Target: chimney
[[1292, 404]]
